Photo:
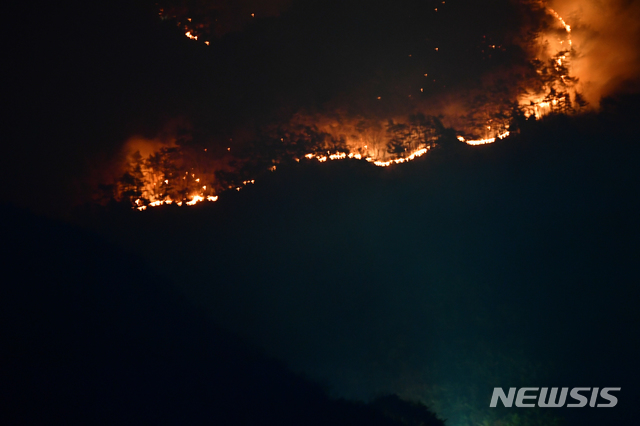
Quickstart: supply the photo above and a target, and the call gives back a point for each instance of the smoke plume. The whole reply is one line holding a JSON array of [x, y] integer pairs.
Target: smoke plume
[[606, 35]]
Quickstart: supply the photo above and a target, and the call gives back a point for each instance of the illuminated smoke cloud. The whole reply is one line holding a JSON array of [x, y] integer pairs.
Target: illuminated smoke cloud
[[606, 34], [465, 71]]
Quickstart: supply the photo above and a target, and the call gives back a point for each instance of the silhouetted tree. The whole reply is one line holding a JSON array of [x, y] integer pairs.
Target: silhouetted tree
[[398, 138], [372, 137], [423, 131], [131, 183], [580, 101]]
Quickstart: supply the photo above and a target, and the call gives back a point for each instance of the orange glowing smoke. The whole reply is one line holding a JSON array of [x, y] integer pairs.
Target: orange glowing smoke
[[606, 34], [595, 41]]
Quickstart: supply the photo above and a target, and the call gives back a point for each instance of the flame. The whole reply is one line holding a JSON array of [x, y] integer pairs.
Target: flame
[[559, 18], [541, 103], [537, 104], [483, 141], [343, 155], [196, 199]]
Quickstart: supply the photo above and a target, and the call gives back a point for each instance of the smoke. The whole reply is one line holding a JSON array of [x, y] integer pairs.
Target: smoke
[[144, 146], [606, 36], [335, 62]]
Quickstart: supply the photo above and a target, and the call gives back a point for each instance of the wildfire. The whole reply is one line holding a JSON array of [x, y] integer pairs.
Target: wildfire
[[483, 141], [195, 199], [536, 105], [564, 24], [342, 155], [540, 104], [335, 156], [552, 95], [413, 156]]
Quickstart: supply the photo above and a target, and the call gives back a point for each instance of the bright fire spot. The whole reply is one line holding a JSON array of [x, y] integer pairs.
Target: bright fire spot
[[342, 155], [196, 199], [543, 102], [564, 24], [483, 141], [535, 104], [322, 158]]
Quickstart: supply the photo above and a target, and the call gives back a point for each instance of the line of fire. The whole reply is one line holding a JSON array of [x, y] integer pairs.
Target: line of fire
[[185, 171]]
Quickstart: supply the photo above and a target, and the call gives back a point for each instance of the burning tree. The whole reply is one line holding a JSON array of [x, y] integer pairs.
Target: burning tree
[[530, 88], [399, 139], [171, 174], [419, 132]]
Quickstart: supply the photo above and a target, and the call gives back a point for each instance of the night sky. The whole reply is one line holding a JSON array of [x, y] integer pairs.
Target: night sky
[[321, 286]]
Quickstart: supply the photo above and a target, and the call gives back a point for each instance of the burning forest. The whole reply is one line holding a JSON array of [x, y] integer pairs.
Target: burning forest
[[523, 74], [312, 212]]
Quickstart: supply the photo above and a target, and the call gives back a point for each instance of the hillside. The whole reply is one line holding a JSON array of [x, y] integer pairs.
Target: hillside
[[475, 267]]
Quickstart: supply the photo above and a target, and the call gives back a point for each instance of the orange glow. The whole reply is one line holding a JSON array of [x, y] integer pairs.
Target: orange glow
[[555, 49], [483, 141], [564, 24], [195, 199], [541, 101]]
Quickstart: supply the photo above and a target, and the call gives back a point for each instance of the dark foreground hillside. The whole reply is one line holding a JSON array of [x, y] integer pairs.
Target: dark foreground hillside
[[512, 264], [91, 336]]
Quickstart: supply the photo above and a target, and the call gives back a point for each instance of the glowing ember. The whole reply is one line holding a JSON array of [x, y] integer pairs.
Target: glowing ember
[[483, 141], [152, 184], [555, 93], [564, 24]]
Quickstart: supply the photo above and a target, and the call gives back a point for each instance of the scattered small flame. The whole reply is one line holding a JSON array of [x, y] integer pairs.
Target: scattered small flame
[[535, 104]]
